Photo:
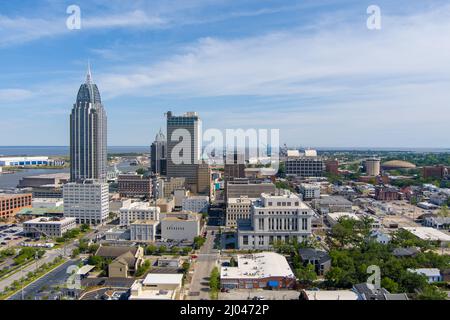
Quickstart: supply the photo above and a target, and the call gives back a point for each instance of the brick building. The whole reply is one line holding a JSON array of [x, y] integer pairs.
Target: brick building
[[134, 185], [10, 204]]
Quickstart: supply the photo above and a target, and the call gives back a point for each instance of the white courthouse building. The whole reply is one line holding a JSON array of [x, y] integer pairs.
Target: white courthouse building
[[143, 230], [132, 211], [87, 202], [275, 218]]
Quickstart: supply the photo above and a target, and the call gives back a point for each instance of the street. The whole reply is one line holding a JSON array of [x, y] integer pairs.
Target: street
[[56, 277], [48, 257], [205, 262]]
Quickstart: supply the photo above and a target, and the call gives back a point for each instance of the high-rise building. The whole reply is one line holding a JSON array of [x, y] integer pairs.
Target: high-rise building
[[158, 155], [373, 167], [183, 147], [88, 153], [234, 166], [252, 188], [437, 172], [204, 179], [87, 201], [134, 185], [332, 167], [305, 165]]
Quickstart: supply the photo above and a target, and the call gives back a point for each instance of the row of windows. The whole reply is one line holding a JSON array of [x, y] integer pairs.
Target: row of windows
[[261, 240], [284, 204]]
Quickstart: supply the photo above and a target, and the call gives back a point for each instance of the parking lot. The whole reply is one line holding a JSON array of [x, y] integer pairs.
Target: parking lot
[[242, 294], [10, 235]]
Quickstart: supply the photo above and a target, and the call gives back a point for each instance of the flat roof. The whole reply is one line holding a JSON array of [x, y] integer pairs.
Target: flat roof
[[149, 222], [244, 200], [85, 269], [259, 265], [331, 295], [163, 278], [60, 175], [44, 220], [429, 272], [139, 205], [334, 200], [337, 215], [426, 233]]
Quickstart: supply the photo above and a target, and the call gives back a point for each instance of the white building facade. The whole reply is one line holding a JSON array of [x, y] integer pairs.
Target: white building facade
[[87, 201], [132, 211], [49, 227], [310, 191], [275, 218], [180, 226], [197, 204], [238, 209], [143, 230]]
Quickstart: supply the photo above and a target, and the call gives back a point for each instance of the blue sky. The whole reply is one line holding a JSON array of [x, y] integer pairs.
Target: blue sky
[[310, 68]]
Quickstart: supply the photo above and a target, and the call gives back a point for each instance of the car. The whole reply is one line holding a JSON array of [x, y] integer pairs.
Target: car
[[7, 238], [3, 243]]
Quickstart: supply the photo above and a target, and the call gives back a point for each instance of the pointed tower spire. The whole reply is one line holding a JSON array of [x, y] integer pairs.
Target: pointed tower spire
[[89, 74]]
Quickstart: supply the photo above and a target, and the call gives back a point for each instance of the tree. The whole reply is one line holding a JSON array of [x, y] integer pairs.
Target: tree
[[198, 242], [141, 171], [174, 250], [185, 267], [432, 293], [142, 269], [306, 274], [214, 279], [390, 285], [75, 252], [233, 262], [410, 282], [186, 250], [162, 249], [151, 249]]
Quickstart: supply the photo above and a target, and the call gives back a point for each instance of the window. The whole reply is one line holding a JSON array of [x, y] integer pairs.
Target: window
[[245, 240]]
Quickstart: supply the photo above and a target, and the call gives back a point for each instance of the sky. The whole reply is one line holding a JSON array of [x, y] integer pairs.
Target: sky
[[310, 68]]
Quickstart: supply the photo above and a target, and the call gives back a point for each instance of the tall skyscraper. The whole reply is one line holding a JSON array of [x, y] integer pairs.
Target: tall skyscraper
[[88, 153], [158, 155], [234, 166], [184, 147]]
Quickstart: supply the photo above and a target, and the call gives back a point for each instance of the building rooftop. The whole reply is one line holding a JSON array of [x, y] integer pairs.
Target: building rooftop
[[139, 205], [310, 253], [259, 265], [331, 295], [45, 220], [243, 199], [162, 278], [429, 272], [149, 222], [338, 215], [63, 176], [426, 233], [333, 200]]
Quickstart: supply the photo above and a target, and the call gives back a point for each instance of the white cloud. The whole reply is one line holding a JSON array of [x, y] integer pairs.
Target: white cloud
[[10, 95]]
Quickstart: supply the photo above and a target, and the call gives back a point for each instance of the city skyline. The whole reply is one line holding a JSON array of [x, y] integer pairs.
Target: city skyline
[[351, 87]]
